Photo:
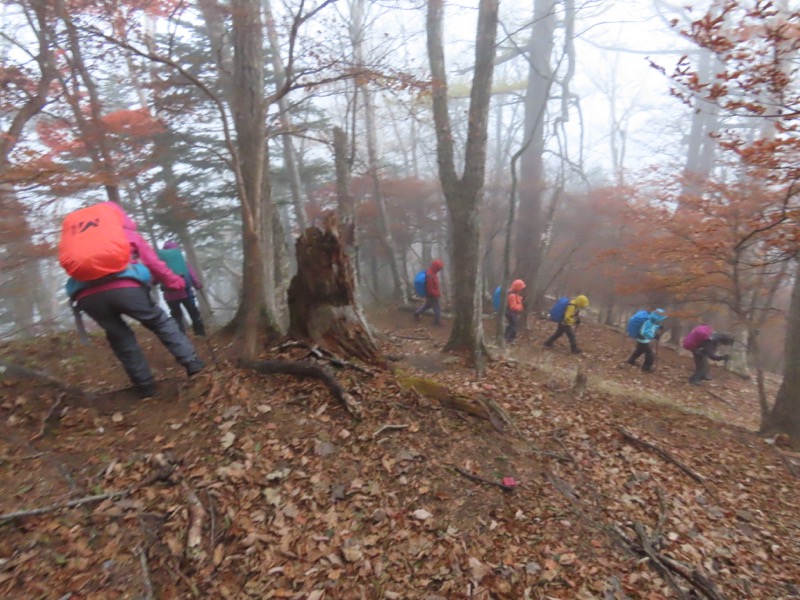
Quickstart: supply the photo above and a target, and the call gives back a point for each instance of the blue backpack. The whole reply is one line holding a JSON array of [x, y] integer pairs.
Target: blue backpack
[[419, 283], [497, 297], [635, 323], [559, 309]]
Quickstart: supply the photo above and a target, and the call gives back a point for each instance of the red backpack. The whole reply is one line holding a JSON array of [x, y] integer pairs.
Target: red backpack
[[93, 243]]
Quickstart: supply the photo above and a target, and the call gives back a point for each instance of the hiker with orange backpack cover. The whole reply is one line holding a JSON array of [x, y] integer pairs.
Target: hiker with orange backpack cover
[[109, 280]]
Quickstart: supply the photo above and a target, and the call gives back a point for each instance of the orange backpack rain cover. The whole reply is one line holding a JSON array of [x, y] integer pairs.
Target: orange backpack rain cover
[[93, 243]]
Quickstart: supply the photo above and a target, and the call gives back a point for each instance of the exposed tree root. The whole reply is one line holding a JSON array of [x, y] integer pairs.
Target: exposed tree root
[[197, 515], [48, 416], [306, 369]]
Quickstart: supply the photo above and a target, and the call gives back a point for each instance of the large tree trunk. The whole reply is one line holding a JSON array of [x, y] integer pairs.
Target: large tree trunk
[[532, 178], [357, 34], [785, 414], [249, 119], [322, 300], [464, 194]]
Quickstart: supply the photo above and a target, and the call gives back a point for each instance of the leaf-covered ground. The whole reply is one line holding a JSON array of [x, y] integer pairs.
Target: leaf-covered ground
[[236, 485]]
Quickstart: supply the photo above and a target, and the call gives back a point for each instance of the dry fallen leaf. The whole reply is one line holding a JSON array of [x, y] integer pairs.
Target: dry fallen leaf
[[421, 514]]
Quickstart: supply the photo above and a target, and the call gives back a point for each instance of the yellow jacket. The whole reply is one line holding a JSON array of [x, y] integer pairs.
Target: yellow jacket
[[574, 309]]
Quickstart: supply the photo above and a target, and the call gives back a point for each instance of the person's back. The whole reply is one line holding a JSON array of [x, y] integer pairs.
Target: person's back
[[568, 322], [432, 293], [107, 299], [178, 300]]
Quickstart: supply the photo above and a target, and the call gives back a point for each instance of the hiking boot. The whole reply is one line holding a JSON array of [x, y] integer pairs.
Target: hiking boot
[[576, 350], [708, 378], [194, 367], [146, 390], [416, 317], [547, 346], [631, 362], [199, 331]]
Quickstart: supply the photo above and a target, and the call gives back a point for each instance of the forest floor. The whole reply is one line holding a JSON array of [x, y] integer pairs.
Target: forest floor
[[238, 485]]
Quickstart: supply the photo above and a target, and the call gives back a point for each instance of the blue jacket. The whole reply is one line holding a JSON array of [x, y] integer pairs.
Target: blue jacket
[[651, 326]]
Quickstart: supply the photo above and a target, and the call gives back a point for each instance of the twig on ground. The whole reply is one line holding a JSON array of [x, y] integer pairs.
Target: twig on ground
[[479, 479], [48, 416], [717, 397], [213, 519], [389, 427], [197, 514], [163, 474], [148, 584], [790, 466], [663, 454], [322, 354], [647, 548], [306, 369], [511, 423], [410, 337], [8, 369]]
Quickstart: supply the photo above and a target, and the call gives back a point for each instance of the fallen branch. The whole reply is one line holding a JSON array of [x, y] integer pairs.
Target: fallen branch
[[323, 354], [389, 427], [48, 416], [8, 369], [161, 475], [663, 454], [148, 584], [647, 549], [306, 369], [479, 479], [197, 514], [411, 337], [717, 397], [511, 423]]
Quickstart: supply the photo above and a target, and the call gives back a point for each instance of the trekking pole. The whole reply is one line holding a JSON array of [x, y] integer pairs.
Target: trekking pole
[[208, 343]]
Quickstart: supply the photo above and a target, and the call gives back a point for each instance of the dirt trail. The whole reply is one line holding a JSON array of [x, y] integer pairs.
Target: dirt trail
[[300, 501]]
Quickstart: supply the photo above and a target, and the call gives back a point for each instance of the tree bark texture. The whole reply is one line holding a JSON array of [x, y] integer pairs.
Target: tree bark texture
[[785, 414], [532, 179], [464, 194], [322, 300]]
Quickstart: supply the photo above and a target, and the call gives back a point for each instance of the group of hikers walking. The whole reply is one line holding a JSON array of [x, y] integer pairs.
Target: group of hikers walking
[[111, 269], [644, 326]]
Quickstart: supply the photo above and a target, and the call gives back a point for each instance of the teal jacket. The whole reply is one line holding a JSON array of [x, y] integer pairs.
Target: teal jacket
[[651, 326]]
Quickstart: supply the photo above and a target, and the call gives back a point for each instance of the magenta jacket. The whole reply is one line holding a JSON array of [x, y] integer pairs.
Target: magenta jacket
[[140, 252]]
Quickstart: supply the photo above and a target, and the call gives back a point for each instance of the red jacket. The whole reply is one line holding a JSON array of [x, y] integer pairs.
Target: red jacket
[[432, 279], [515, 303]]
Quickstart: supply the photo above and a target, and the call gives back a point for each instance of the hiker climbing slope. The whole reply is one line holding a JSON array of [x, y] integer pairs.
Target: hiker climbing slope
[[566, 313], [110, 267], [514, 308], [703, 343], [432, 292], [645, 327], [177, 300]]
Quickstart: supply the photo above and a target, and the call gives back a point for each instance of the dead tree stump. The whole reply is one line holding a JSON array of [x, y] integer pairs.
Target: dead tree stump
[[322, 302]]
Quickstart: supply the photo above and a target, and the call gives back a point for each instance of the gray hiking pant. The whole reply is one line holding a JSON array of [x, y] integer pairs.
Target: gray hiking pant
[[107, 309]]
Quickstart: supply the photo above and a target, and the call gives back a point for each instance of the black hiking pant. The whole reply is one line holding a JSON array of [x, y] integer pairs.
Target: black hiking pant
[[700, 367], [194, 314], [108, 307], [434, 304], [512, 328], [561, 330], [649, 356]]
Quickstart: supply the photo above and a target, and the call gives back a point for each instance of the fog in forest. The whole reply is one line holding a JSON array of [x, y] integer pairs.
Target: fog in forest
[[636, 152]]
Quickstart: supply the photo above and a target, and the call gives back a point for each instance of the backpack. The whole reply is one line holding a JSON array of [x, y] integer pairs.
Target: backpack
[[420, 279], [175, 260], [497, 297], [93, 243], [559, 309], [697, 336], [635, 323]]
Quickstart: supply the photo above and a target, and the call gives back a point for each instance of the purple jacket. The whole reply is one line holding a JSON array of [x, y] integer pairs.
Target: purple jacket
[[140, 252], [172, 295]]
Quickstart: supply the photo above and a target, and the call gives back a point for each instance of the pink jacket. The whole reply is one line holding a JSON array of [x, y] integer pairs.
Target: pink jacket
[[140, 252]]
